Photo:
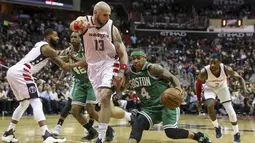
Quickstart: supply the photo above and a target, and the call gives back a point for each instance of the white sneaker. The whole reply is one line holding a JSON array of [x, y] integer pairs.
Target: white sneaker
[[9, 137], [49, 138], [56, 131]]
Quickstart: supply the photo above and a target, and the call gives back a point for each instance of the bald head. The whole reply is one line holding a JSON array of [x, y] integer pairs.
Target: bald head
[[102, 6], [102, 12]]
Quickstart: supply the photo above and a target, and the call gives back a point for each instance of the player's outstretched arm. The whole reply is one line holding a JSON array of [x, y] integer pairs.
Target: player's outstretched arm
[[160, 72], [49, 52], [120, 49], [237, 77], [80, 25]]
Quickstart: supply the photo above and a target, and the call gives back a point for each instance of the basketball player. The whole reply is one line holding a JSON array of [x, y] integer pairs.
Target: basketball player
[[150, 81], [25, 89], [102, 42], [81, 94], [214, 77]]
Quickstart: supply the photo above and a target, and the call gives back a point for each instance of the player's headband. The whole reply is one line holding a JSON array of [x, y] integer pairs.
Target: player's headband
[[138, 53]]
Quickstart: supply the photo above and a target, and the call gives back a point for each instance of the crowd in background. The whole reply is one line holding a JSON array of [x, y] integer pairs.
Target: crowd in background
[[176, 54]]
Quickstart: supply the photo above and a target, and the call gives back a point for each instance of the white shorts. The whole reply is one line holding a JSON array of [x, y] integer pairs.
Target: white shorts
[[101, 75], [22, 82], [222, 93]]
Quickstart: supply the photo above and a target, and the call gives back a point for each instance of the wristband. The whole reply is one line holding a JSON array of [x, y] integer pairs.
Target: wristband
[[124, 67], [76, 26]]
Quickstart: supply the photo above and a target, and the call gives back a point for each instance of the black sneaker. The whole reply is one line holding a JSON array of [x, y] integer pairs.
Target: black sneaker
[[133, 116], [99, 141], [237, 138], [218, 132], [92, 134], [9, 137], [49, 138], [202, 138], [109, 134]]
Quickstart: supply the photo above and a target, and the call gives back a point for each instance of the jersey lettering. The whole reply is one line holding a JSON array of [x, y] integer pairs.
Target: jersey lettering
[[144, 93], [99, 44], [79, 70]]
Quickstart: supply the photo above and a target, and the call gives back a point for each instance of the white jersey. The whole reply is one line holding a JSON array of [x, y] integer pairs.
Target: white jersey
[[34, 58], [216, 82], [98, 43]]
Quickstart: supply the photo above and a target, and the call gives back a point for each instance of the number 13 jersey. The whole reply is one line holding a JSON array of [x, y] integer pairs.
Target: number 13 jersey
[[98, 42], [216, 82]]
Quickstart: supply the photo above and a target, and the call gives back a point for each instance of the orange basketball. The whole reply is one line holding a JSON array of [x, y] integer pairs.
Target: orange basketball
[[172, 98]]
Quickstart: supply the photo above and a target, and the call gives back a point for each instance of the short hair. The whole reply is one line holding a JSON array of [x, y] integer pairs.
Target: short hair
[[217, 56], [48, 32]]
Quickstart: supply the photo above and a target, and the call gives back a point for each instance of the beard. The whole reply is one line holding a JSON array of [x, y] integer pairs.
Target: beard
[[99, 22], [54, 43]]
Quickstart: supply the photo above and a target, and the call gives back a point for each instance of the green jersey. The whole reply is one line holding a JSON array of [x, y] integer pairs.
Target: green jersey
[[148, 88], [80, 73]]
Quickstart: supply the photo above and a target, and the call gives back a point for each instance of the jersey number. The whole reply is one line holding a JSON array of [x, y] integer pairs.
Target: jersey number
[[79, 70], [144, 93], [217, 84], [99, 45]]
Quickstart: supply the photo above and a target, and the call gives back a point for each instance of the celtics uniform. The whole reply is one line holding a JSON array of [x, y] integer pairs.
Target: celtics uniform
[[149, 89], [81, 91]]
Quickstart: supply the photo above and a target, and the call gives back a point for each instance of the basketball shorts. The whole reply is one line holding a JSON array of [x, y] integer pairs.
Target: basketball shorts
[[82, 93], [101, 75], [22, 82], [158, 114], [222, 93]]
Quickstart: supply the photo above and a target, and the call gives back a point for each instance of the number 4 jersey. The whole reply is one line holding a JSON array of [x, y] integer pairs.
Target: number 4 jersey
[[98, 42], [148, 88]]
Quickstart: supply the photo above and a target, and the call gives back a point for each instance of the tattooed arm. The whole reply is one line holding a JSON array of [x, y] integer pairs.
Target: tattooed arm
[[120, 47], [49, 52], [158, 71]]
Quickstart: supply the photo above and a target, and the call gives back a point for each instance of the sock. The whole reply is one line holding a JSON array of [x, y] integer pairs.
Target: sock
[[102, 130], [127, 116], [91, 122], [87, 126], [11, 126], [215, 123], [60, 122], [236, 129], [44, 129]]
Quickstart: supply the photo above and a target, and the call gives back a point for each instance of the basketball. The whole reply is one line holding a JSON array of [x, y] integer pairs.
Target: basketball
[[172, 98]]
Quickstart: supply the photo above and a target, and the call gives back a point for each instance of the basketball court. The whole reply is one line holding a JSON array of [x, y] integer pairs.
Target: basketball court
[[28, 131]]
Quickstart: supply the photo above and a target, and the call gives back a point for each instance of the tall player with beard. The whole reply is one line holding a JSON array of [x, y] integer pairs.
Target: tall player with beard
[[20, 78], [214, 77], [102, 42]]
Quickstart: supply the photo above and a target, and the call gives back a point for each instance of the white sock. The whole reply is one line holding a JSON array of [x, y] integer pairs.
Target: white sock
[[44, 129], [127, 116], [102, 127], [215, 123], [236, 129], [11, 126]]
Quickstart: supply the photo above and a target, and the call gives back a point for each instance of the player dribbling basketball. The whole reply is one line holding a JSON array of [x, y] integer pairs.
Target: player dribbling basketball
[[150, 81]]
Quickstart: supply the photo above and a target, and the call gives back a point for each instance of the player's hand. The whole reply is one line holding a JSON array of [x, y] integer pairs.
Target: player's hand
[[119, 82], [199, 106], [83, 24]]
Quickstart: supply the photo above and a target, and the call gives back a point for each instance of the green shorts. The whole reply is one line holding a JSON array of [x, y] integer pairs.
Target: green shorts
[[82, 93], [157, 114]]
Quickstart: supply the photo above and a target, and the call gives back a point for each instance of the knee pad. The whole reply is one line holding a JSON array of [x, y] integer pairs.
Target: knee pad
[[37, 109], [64, 113], [19, 111], [231, 112], [139, 125], [175, 133]]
